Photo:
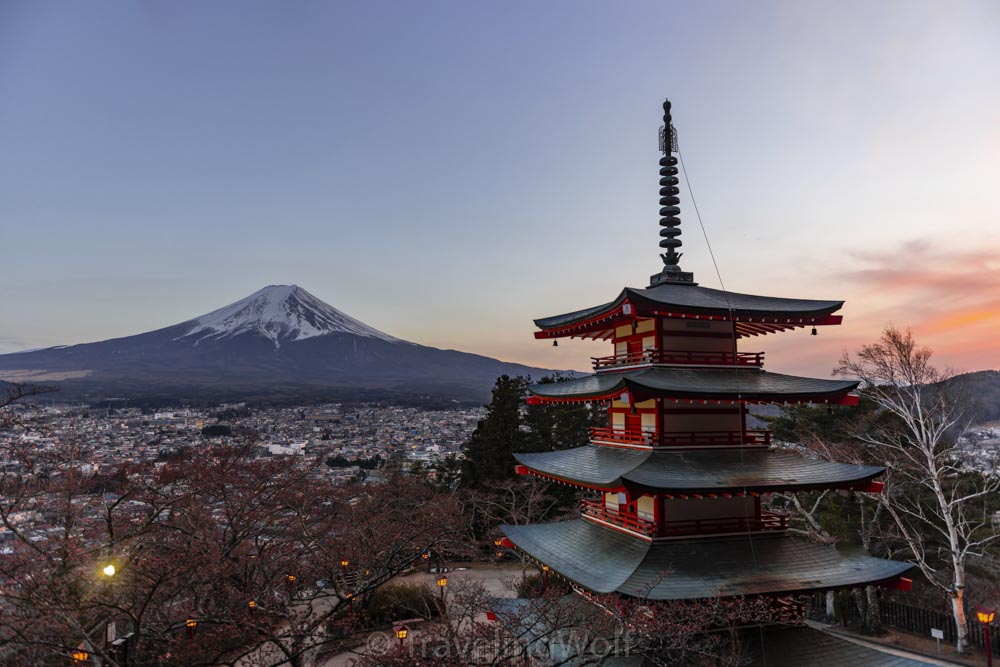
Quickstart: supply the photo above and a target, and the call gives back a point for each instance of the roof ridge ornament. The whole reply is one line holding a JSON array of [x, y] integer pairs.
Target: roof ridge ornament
[[670, 223]]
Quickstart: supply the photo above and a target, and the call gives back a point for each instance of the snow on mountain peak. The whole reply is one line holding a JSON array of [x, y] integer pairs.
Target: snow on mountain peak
[[280, 313]]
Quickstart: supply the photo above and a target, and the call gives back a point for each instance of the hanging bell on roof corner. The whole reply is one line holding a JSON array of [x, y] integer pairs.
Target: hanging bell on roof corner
[[814, 332], [555, 343]]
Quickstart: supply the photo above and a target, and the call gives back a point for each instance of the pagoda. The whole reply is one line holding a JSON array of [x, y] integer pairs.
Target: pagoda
[[677, 476]]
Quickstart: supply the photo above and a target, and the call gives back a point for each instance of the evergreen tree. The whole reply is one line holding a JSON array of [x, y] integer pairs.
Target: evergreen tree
[[448, 472], [560, 426], [489, 454]]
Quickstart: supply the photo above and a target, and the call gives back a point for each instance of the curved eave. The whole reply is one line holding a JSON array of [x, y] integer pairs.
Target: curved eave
[[750, 385], [607, 561], [692, 472], [754, 315]]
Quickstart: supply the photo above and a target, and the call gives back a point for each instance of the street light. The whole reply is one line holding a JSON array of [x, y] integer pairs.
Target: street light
[[80, 657], [191, 624], [442, 582], [545, 569], [985, 616], [401, 632]]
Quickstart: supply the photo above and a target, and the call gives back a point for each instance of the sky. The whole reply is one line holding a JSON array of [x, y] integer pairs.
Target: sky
[[448, 171]]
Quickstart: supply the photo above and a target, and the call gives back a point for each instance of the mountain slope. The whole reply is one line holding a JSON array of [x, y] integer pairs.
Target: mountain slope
[[279, 340]]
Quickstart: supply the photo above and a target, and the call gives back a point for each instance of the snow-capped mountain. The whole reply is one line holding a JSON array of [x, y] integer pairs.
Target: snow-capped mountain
[[279, 343], [280, 313]]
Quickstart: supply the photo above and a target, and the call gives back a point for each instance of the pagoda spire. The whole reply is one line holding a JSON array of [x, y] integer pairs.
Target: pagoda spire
[[670, 223]]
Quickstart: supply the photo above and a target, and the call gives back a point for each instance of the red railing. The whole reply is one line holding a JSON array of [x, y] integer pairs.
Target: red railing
[[740, 524], [683, 358], [679, 439], [597, 510], [768, 521], [621, 436], [716, 438]]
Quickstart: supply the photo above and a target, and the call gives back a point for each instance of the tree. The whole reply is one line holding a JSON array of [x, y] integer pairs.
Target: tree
[[562, 630], [11, 392], [490, 452], [928, 495], [511, 426], [200, 543]]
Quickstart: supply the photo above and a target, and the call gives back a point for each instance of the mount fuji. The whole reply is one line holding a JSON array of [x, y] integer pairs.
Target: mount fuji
[[279, 343]]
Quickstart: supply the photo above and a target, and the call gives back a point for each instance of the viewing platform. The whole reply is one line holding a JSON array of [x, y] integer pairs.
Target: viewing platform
[[673, 357], [643, 439]]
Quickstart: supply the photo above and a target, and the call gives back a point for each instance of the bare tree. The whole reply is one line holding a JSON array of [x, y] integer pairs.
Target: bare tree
[[229, 561], [930, 497], [11, 392]]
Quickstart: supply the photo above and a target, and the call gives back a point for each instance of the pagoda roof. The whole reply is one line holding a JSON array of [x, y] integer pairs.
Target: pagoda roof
[[747, 384], [677, 300], [696, 471], [603, 560]]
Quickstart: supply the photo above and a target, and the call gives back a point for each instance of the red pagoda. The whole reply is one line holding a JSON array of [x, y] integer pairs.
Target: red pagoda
[[677, 476]]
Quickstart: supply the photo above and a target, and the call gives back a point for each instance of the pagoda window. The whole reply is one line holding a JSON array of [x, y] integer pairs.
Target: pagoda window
[[646, 508], [679, 418], [716, 508], [648, 422], [683, 335], [612, 501], [618, 421]]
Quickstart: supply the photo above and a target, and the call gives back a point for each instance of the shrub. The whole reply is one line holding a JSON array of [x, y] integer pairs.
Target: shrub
[[398, 601]]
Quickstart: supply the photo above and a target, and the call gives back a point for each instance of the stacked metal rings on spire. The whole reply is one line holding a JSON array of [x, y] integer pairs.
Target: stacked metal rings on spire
[[669, 211]]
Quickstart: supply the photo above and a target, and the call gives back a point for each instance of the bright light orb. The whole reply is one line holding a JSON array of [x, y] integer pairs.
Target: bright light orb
[[110, 570]]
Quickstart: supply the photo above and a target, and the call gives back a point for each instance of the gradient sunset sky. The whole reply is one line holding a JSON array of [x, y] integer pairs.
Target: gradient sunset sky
[[448, 171]]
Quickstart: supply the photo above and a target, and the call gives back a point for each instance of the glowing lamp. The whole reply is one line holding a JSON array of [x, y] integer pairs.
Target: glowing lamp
[[425, 555], [442, 582], [190, 623], [344, 563], [497, 542], [109, 570], [985, 615], [80, 656], [291, 578], [252, 604], [401, 633], [545, 568]]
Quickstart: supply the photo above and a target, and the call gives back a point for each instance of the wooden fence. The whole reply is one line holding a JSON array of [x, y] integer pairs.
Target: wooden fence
[[916, 620]]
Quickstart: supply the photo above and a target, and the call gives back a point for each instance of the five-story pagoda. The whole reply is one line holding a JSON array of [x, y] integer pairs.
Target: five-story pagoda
[[677, 476]]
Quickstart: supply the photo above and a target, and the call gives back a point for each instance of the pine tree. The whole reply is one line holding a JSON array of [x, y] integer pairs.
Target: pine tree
[[489, 454]]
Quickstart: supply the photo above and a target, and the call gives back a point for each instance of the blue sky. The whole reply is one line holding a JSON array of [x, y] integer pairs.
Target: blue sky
[[446, 171]]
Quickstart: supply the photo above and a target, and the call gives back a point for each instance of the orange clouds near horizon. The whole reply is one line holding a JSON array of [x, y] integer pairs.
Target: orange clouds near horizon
[[949, 298]]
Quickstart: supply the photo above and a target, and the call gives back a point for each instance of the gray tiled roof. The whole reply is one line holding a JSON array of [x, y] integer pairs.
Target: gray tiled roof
[[703, 300], [607, 561], [693, 471], [808, 647], [722, 383]]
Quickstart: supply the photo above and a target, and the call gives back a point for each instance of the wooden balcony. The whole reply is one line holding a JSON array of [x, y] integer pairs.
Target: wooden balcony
[[597, 510], [767, 521], [741, 359], [620, 436], [635, 438], [714, 438]]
